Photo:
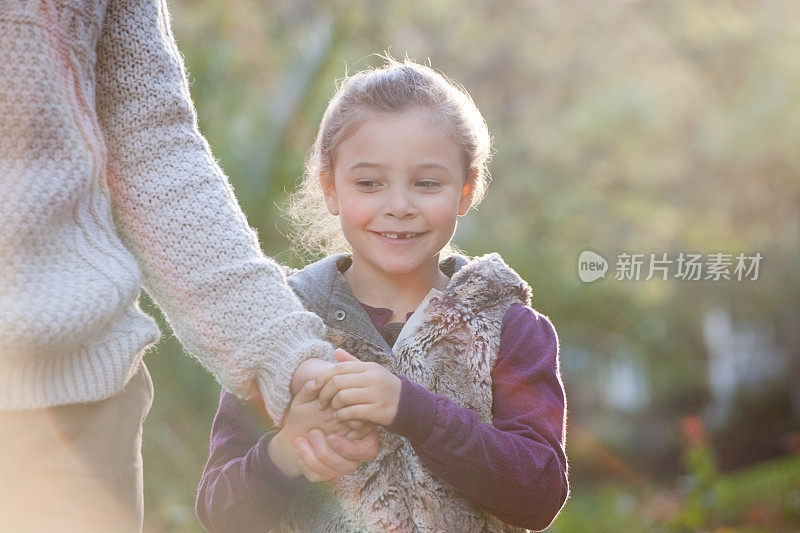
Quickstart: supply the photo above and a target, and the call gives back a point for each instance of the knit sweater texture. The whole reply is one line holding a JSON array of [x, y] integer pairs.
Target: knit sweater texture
[[449, 347], [107, 186]]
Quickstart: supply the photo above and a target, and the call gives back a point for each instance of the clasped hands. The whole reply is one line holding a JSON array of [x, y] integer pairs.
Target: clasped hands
[[330, 425]]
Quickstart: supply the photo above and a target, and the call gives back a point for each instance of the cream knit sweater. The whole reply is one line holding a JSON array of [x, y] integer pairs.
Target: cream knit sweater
[[106, 185]]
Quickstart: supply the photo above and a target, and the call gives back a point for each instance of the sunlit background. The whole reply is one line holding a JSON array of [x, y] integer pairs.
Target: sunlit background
[[619, 127]]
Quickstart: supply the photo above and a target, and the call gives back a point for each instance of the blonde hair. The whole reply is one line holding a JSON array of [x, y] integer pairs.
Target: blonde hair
[[392, 88]]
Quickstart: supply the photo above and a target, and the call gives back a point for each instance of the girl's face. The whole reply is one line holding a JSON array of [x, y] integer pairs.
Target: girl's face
[[398, 188]]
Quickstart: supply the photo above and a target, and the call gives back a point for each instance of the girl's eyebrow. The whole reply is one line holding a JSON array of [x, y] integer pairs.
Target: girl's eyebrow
[[423, 166], [365, 164], [435, 166]]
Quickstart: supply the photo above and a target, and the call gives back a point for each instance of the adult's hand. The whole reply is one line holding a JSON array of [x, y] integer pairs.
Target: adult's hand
[[306, 371], [312, 367], [323, 457]]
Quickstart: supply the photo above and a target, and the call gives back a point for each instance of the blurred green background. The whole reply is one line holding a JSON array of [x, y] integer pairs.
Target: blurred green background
[[619, 126]]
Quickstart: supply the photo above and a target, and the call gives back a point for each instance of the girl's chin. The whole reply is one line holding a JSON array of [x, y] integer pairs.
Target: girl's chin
[[394, 266]]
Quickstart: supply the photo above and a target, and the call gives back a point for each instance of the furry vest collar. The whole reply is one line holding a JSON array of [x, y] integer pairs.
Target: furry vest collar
[[451, 351]]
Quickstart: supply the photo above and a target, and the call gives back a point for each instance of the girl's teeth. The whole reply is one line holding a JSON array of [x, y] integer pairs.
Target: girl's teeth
[[398, 235]]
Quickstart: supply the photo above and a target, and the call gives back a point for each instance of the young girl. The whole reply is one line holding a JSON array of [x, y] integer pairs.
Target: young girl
[[460, 374]]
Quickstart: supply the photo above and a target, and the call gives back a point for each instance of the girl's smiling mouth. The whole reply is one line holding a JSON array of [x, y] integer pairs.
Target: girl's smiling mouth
[[399, 236]]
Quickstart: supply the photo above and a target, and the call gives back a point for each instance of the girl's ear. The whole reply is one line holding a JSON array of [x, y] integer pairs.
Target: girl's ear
[[466, 198], [329, 191]]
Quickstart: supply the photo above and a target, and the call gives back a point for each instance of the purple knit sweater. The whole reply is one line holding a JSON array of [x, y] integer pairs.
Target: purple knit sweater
[[515, 469]]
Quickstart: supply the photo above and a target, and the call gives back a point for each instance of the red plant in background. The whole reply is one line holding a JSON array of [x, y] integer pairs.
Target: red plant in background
[[791, 442], [699, 496], [694, 431]]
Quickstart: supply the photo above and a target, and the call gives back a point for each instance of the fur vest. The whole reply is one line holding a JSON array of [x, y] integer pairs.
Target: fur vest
[[449, 346]]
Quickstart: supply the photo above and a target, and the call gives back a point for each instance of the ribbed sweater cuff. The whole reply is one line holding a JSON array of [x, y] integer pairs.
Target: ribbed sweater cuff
[[289, 349]]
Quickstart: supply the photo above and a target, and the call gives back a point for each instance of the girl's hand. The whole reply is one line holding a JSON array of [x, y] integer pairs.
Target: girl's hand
[[322, 458], [301, 446], [303, 415], [317, 461], [358, 390]]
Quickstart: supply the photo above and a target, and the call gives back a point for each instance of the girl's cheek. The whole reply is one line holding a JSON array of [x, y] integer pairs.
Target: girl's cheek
[[444, 208]]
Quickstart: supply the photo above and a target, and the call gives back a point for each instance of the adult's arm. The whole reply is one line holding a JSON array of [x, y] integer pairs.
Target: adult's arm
[[176, 213], [515, 468]]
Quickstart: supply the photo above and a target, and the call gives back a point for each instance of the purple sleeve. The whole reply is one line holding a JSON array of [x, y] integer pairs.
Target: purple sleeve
[[241, 488], [516, 468]]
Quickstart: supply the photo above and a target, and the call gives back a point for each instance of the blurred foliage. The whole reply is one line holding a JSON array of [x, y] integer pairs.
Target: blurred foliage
[[700, 493], [618, 126], [759, 499]]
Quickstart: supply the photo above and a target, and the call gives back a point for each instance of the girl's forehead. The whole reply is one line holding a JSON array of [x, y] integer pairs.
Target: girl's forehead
[[411, 134], [414, 114]]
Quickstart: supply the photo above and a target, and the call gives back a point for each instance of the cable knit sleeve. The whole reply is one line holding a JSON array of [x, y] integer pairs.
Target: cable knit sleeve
[[228, 304]]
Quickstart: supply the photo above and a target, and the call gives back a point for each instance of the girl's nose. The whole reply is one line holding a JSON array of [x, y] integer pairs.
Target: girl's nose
[[400, 205]]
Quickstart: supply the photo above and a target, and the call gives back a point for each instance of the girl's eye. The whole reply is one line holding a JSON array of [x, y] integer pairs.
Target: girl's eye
[[428, 184], [367, 184]]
